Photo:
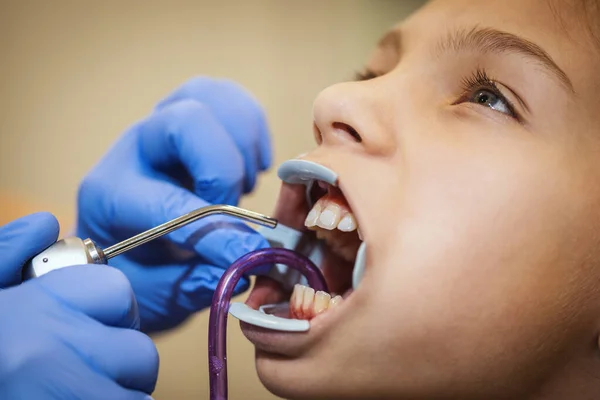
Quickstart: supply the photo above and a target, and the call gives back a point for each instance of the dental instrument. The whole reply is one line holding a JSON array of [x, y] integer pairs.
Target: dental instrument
[[75, 251], [217, 326]]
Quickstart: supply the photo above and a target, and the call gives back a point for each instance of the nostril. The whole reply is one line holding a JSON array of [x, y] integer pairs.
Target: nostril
[[348, 129], [317, 133]]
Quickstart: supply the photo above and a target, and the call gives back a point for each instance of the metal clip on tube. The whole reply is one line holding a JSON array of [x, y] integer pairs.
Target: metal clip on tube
[[217, 325]]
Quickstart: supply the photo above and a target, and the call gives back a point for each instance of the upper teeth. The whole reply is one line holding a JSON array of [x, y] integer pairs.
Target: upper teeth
[[348, 223], [329, 215]]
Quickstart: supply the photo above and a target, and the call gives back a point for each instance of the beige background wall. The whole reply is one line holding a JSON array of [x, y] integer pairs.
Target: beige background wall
[[75, 73]]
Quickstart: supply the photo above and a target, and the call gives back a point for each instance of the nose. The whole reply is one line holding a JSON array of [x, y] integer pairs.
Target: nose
[[354, 112]]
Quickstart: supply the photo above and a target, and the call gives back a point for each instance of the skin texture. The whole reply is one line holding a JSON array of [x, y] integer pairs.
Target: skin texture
[[482, 277]]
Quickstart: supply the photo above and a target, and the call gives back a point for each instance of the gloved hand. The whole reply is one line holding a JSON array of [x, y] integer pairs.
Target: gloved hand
[[204, 144], [67, 335]]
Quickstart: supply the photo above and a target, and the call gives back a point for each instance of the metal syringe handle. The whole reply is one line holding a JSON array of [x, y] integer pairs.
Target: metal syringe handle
[[64, 253], [75, 251]]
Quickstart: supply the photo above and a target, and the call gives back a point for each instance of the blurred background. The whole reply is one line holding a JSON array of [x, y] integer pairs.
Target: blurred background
[[75, 74]]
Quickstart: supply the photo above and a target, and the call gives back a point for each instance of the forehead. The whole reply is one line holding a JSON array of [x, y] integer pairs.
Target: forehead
[[510, 13], [560, 27]]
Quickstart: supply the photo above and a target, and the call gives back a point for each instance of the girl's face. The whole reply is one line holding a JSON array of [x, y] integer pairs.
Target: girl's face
[[472, 164]]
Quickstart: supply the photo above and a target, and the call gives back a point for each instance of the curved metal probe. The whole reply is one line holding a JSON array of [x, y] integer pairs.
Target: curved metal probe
[[217, 325], [76, 251], [188, 218]]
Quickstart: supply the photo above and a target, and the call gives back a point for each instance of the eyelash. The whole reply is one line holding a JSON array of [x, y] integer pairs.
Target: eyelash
[[471, 85], [480, 81]]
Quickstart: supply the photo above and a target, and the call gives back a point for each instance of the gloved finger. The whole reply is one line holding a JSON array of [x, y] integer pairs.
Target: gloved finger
[[199, 284], [186, 132], [169, 293], [239, 113], [98, 387], [22, 239], [66, 377], [101, 292], [111, 390], [128, 357]]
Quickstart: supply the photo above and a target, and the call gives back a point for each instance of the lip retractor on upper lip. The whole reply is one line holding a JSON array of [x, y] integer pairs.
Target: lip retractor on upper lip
[[305, 172], [295, 172]]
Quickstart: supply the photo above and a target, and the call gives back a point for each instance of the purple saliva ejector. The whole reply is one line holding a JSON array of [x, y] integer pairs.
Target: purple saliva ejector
[[217, 328], [294, 257]]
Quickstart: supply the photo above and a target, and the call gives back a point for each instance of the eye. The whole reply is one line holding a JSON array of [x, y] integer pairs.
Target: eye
[[482, 90], [492, 100]]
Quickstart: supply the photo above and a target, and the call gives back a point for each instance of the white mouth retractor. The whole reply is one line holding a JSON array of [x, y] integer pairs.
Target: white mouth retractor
[[294, 172]]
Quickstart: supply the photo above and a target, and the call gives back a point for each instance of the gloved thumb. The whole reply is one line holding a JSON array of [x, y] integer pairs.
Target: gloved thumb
[[21, 240]]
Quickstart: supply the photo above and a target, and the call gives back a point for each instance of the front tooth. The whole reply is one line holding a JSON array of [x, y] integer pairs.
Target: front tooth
[[347, 224], [321, 302], [313, 215], [329, 217], [293, 301], [307, 303], [297, 300]]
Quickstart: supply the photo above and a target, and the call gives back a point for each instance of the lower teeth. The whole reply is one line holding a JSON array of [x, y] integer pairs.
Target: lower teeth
[[306, 304]]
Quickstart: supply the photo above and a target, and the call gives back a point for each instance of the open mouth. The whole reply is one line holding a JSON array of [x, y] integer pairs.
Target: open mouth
[[331, 221], [318, 213]]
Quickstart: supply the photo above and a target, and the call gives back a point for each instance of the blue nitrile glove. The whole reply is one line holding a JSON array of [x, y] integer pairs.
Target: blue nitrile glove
[[68, 334], [204, 144]]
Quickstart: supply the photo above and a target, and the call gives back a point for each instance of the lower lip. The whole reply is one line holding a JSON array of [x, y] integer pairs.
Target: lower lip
[[288, 344]]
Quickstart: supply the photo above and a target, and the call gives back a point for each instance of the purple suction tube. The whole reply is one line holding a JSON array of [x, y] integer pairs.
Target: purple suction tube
[[217, 325]]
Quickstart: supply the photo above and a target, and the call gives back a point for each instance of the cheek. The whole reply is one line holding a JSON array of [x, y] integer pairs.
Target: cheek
[[484, 265]]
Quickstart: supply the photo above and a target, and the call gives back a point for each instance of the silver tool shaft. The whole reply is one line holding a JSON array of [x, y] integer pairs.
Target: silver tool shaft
[[170, 226], [76, 251]]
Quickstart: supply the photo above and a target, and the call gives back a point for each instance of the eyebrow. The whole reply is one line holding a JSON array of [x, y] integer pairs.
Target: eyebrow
[[487, 40]]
